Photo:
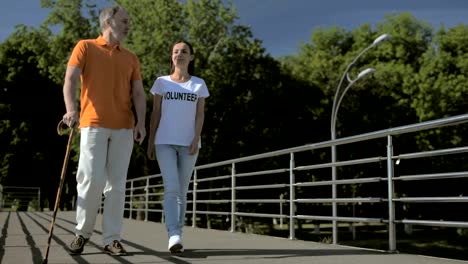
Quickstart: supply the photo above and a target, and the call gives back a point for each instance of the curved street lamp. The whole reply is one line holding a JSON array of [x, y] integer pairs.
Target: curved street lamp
[[336, 104], [351, 82], [376, 42]]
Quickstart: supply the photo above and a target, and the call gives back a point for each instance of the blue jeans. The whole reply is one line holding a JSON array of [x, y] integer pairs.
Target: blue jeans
[[176, 165]]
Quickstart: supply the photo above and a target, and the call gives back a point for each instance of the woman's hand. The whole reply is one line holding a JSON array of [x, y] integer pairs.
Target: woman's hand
[[193, 148], [150, 153]]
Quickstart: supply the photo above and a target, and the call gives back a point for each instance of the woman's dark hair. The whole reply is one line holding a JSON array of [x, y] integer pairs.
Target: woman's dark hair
[[191, 66]]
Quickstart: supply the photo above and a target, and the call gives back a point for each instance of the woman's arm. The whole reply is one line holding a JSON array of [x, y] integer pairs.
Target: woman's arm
[[199, 119]]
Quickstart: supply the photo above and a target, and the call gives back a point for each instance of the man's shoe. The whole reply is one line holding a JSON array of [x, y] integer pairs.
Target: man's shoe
[[175, 244], [115, 249], [77, 245]]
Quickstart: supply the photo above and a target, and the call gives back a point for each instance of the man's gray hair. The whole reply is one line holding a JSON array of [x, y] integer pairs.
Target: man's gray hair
[[106, 14]]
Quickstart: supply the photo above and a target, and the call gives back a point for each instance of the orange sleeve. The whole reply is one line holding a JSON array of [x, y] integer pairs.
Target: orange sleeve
[[78, 55]]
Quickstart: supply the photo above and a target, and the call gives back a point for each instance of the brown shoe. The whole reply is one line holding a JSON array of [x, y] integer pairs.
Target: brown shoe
[[115, 249], [77, 245]]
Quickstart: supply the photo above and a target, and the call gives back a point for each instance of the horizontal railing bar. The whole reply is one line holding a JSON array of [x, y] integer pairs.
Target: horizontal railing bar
[[433, 223], [144, 202], [213, 190], [156, 186], [138, 195], [340, 219], [431, 199], [432, 153], [155, 194], [19, 187], [340, 200], [144, 187], [142, 209], [211, 212], [269, 186], [152, 176], [261, 215], [31, 193], [210, 201], [128, 194], [20, 195], [340, 163], [261, 172], [214, 178], [149, 194], [350, 181], [138, 188], [432, 176], [262, 200]]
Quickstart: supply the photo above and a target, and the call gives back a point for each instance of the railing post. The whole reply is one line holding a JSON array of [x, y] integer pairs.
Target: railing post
[[131, 200], [292, 207], [2, 202], [194, 197], [391, 205], [233, 197], [146, 199], [334, 193], [38, 199], [281, 210]]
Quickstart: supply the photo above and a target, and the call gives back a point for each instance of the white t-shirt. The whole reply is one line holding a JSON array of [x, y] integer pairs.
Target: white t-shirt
[[178, 109]]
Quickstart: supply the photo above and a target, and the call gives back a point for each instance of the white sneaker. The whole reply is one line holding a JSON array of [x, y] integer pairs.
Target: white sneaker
[[175, 244]]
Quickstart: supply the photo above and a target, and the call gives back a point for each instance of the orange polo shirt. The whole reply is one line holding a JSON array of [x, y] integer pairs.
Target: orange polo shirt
[[106, 83]]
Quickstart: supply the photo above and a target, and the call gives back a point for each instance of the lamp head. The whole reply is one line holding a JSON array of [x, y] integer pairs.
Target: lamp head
[[365, 72], [381, 38]]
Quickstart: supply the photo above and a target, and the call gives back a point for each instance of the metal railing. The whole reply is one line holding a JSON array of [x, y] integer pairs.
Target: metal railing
[[19, 198], [222, 191]]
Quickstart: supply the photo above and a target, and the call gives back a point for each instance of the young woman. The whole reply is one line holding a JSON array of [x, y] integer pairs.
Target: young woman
[[174, 137]]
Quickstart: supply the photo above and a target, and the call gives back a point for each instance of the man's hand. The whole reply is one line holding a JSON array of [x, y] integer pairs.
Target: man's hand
[[70, 119], [139, 133]]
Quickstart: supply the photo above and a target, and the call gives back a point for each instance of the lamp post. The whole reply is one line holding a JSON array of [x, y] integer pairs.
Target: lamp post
[[336, 104]]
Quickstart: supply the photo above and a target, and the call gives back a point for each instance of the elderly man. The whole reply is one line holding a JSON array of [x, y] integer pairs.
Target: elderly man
[[110, 79]]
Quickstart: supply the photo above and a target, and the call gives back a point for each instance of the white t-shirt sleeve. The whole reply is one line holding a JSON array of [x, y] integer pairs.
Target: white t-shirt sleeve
[[203, 92], [157, 87]]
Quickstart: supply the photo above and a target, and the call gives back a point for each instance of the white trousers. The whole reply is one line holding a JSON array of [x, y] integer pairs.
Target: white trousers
[[102, 169]]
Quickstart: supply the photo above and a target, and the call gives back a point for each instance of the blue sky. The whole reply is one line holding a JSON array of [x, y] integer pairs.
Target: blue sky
[[283, 24]]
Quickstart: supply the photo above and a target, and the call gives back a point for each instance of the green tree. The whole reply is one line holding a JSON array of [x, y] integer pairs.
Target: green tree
[[73, 20], [442, 82], [30, 152]]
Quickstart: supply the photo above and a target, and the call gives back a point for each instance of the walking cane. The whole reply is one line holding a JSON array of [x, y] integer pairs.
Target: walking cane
[[59, 191]]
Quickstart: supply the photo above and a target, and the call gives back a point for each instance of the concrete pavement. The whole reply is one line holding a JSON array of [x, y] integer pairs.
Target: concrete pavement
[[24, 240]]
